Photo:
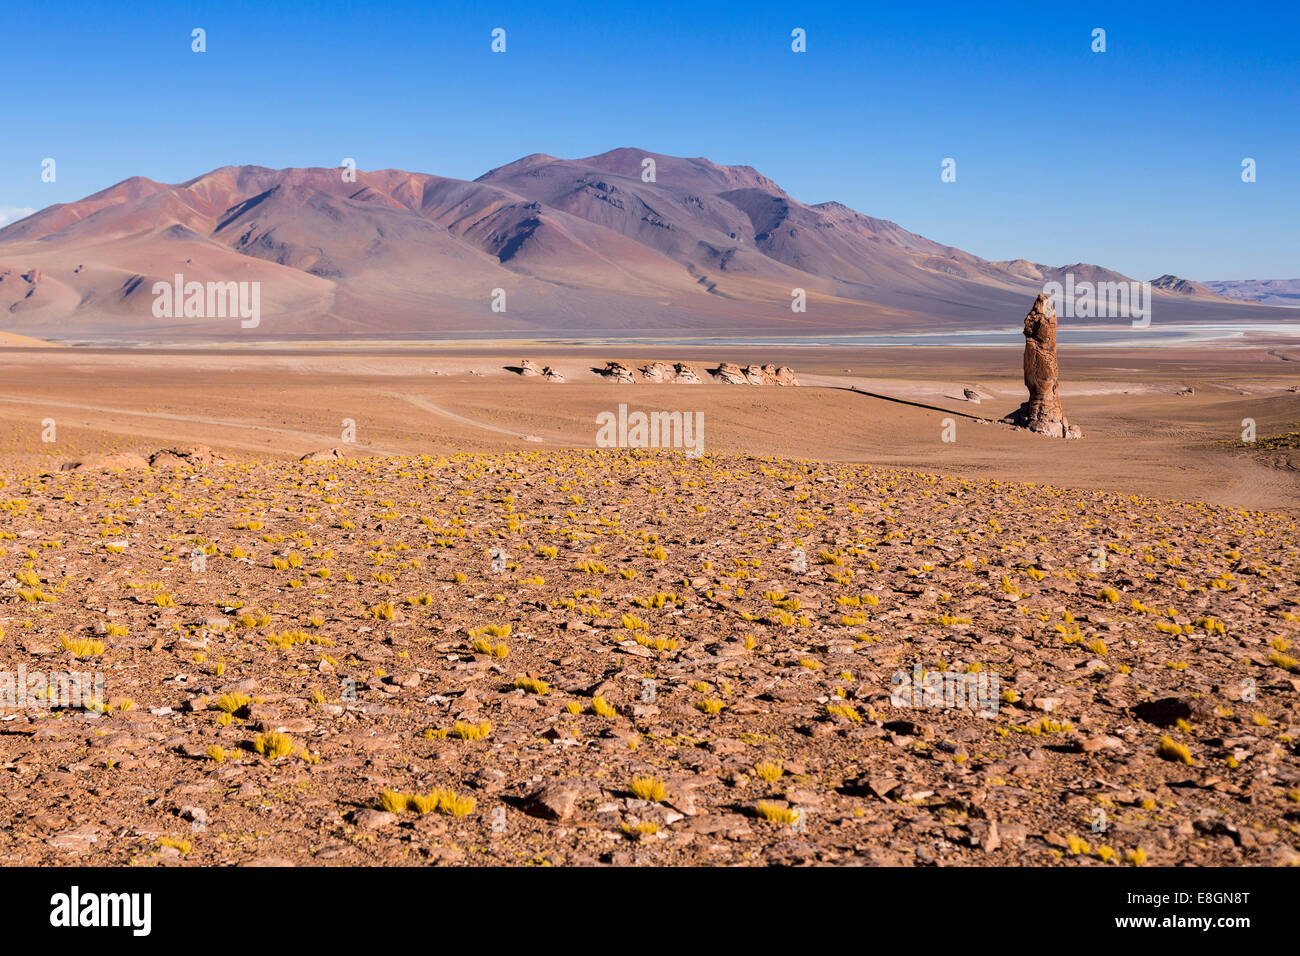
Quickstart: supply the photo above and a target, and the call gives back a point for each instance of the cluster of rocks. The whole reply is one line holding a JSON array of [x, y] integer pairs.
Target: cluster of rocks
[[678, 373], [325, 454], [194, 457], [732, 374], [618, 372], [681, 373], [728, 373], [528, 368]]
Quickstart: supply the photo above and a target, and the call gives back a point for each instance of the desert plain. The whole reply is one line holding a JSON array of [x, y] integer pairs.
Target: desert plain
[[470, 636]]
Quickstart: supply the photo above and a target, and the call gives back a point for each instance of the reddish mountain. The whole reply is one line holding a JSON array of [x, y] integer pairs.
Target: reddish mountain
[[578, 247]]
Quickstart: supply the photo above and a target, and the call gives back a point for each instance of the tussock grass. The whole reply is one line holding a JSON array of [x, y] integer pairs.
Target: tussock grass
[[470, 731], [82, 646], [533, 685], [1170, 749], [233, 702], [648, 788], [273, 745], [776, 813]]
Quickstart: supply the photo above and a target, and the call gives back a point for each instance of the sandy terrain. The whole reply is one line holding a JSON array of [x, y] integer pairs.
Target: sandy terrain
[[1141, 437], [480, 639]]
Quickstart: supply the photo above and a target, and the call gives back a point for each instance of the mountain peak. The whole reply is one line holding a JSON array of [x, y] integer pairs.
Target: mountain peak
[[581, 246]]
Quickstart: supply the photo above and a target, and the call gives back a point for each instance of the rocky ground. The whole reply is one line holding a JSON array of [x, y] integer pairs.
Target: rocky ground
[[572, 657]]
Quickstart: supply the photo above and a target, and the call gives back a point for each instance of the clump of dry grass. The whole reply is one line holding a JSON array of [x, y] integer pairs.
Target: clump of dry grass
[[847, 711], [776, 813], [273, 745], [482, 645], [469, 731], [1170, 749], [437, 800], [233, 702], [82, 646], [534, 685], [290, 639], [648, 788]]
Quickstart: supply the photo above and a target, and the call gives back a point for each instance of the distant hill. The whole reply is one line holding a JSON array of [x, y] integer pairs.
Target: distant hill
[[1176, 286], [1284, 292]]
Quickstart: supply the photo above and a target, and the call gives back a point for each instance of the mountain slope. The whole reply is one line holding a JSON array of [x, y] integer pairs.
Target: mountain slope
[[1284, 292], [594, 246]]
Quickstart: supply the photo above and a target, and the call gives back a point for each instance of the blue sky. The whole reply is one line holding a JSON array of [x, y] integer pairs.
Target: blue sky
[[1129, 158]]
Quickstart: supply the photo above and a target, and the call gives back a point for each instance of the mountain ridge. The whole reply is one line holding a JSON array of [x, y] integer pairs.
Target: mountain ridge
[[622, 243]]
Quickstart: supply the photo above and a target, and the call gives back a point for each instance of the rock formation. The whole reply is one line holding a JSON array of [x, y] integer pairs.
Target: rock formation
[[197, 457], [618, 372], [683, 374], [527, 367], [657, 372], [780, 375], [732, 374], [1042, 413], [327, 454], [551, 375], [115, 461]]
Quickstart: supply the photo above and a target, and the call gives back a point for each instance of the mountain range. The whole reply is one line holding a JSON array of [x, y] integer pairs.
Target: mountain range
[[561, 248]]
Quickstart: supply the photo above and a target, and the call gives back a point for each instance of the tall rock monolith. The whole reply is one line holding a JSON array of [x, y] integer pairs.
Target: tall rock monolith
[[1042, 413]]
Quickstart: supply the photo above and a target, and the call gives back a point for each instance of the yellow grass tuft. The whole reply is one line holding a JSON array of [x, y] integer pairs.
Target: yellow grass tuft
[[482, 645], [468, 731], [437, 800], [175, 843], [82, 646], [233, 702], [648, 788], [844, 710], [776, 813], [1170, 749], [293, 638], [533, 685], [273, 745]]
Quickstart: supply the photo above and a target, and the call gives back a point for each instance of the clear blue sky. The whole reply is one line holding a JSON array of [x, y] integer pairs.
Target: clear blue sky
[[1130, 158]]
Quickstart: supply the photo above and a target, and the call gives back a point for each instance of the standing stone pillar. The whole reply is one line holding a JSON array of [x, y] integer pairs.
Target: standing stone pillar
[[1042, 413]]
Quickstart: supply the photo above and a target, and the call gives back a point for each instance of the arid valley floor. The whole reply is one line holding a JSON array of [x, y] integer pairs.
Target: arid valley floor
[[478, 639]]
